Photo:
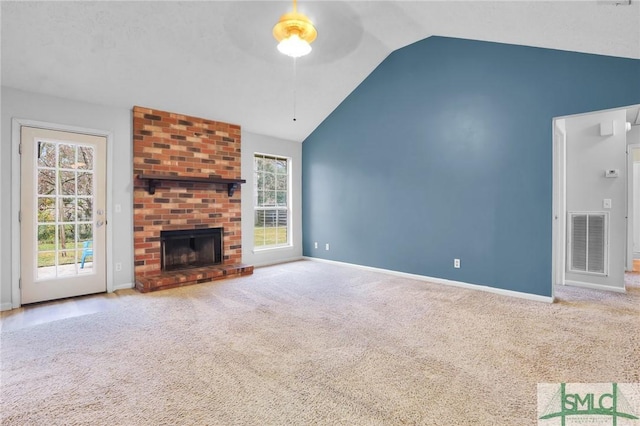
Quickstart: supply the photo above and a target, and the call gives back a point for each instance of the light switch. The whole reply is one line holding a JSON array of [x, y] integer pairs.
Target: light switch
[[606, 203]]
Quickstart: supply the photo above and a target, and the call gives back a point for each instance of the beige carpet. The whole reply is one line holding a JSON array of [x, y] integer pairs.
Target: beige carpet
[[314, 343]]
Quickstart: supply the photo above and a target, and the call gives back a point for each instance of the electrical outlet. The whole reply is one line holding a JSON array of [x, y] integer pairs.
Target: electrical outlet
[[456, 263], [118, 267], [326, 246], [315, 245]]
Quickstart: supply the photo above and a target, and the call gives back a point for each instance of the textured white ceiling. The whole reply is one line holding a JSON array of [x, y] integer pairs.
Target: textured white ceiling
[[218, 60]]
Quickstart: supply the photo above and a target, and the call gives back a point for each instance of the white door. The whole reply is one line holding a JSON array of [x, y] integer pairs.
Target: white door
[[62, 209]]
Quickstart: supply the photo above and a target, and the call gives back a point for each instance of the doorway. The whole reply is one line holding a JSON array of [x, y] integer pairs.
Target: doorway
[[62, 214], [590, 181]]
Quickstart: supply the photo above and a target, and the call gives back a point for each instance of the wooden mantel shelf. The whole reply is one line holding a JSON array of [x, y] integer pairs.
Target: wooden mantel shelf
[[152, 180]]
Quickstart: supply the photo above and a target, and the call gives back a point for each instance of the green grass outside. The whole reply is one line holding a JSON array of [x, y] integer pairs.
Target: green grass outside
[[48, 258], [266, 236]]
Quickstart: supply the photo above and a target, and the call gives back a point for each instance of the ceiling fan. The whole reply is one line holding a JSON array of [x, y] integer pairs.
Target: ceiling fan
[[295, 33]]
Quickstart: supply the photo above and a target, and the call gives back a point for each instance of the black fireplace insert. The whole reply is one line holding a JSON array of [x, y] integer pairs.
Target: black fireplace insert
[[192, 248]]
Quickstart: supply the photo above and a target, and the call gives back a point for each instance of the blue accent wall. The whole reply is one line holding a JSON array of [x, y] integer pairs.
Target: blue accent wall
[[445, 151]]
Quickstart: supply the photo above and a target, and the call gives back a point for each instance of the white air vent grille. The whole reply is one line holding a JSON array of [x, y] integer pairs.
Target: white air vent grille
[[588, 243]]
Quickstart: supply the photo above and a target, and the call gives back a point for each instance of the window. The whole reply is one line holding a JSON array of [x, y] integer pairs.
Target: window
[[271, 201]]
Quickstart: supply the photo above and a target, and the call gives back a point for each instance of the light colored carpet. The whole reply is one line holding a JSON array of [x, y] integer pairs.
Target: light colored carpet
[[315, 343]]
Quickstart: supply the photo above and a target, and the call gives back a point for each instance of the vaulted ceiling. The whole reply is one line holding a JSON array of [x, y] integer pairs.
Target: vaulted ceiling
[[218, 59]]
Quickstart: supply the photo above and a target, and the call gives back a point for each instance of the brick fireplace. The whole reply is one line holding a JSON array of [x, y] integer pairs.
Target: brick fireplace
[[186, 177]]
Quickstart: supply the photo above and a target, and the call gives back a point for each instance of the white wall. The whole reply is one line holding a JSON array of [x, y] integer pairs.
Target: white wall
[[588, 156], [118, 121], [253, 143], [38, 107]]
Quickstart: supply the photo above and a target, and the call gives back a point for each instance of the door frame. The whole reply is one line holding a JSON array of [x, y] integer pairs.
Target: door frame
[[630, 212], [16, 125], [559, 203]]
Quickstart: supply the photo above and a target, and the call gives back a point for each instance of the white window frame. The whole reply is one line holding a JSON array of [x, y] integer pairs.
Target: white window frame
[[286, 208]]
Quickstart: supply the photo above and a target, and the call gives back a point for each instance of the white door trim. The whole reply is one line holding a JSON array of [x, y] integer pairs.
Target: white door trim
[[16, 124], [630, 212], [558, 249]]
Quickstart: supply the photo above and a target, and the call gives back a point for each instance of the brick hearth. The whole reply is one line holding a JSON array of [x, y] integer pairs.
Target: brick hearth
[[170, 144], [191, 276]]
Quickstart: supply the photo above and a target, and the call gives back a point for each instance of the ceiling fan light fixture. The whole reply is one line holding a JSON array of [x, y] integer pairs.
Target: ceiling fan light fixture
[[294, 46], [295, 33]]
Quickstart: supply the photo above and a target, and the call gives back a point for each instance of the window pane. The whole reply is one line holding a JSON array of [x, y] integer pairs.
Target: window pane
[[269, 198], [281, 182], [46, 154], [46, 182], [66, 237], [67, 183], [259, 218], [46, 209], [85, 258], [85, 183], [85, 209], [46, 258], [68, 209], [85, 158], [85, 232], [258, 235], [269, 181], [281, 198], [67, 156], [282, 227], [66, 257], [46, 237], [269, 165], [281, 166], [282, 218], [282, 236]]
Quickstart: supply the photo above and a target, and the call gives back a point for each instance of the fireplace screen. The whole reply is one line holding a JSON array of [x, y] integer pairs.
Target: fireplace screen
[[193, 248]]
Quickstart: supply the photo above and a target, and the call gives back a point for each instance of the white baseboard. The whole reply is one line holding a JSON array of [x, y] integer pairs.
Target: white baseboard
[[511, 293], [595, 286], [276, 262], [124, 286], [6, 306]]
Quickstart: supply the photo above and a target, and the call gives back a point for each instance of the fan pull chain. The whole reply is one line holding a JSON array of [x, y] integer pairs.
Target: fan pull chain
[[294, 88]]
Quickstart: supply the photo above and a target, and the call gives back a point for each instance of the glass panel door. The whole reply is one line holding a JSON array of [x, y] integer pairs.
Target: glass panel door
[[65, 209], [63, 218]]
